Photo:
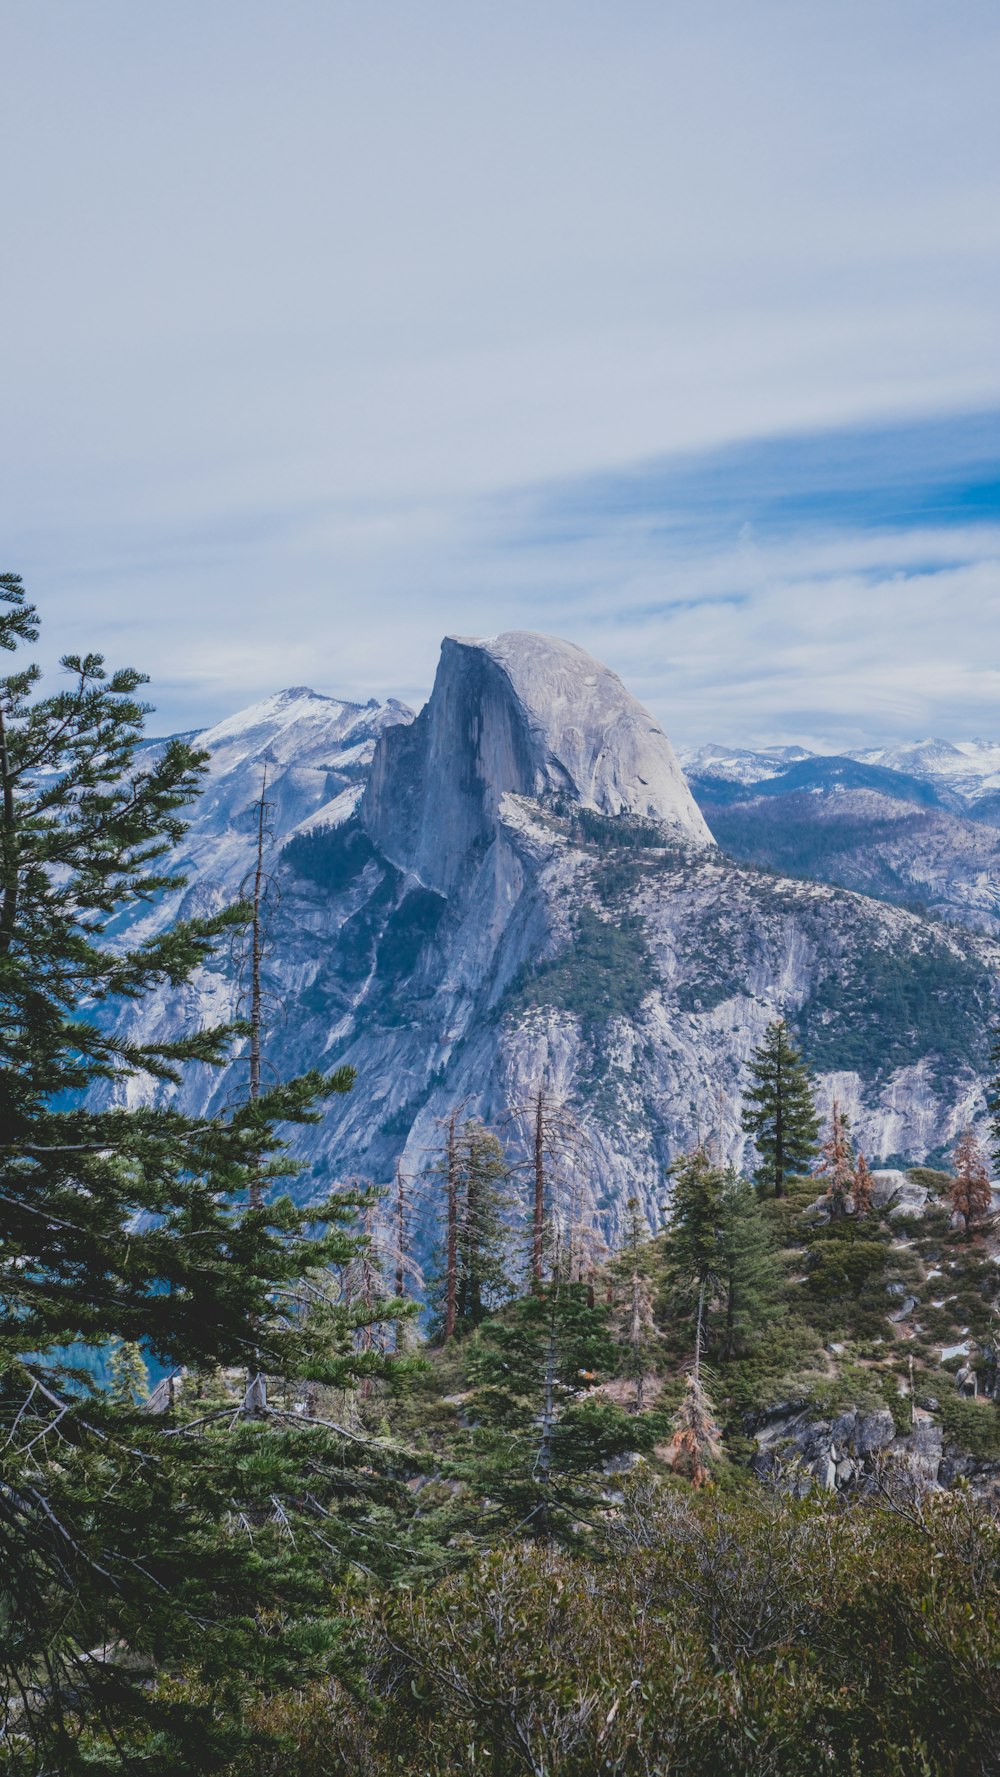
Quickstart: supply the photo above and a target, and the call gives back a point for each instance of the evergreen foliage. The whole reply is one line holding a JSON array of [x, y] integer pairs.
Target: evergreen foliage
[[538, 1550], [749, 1273], [482, 1241], [117, 1543], [779, 1111], [605, 973], [540, 1433], [128, 1377], [697, 1218], [886, 1008]]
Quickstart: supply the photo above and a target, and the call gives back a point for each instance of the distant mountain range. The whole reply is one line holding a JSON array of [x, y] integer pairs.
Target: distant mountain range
[[518, 889], [963, 776], [917, 823]]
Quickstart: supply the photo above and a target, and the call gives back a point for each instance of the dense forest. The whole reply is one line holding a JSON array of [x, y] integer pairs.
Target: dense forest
[[421, 1478]]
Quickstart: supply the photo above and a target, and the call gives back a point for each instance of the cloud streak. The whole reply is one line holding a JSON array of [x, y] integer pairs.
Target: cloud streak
[[331, 329]]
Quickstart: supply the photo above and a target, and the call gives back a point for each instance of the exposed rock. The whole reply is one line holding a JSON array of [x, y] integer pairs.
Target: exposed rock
[[833, 1452], [906, 1308], [518, 714], [797, 1451]]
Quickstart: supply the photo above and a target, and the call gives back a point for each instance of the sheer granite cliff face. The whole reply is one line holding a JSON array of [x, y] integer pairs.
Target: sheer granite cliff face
[[519, 714], [526, 896]]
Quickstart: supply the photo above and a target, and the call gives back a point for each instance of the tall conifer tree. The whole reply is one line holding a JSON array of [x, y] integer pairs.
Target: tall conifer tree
[[750, 1275], [779, 1112], [539, 1438], [473, 1278], [123, 1225]]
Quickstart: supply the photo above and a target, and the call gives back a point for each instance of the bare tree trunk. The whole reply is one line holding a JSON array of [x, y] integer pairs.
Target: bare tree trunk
[[697, 1332], [635, 1339], [366, 1338], [730, 1318], [8, 908], [538, 1215], [451, 1258], [543, 1465], [779, 1131], [255, 1196], [255, 1399], [400, 1247]]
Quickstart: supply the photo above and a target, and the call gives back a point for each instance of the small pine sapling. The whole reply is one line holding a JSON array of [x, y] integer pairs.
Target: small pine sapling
[[695, 1441], [128, 1377]]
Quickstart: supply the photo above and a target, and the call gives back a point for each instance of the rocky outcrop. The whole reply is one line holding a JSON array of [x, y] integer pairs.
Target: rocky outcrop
[[518, 714], [852, 1450]]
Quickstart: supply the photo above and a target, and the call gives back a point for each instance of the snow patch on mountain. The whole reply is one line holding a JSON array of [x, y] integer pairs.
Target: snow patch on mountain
[[971, 768]]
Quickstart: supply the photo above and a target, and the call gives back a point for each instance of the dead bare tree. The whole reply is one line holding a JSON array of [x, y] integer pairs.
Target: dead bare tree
[[554, 1147]]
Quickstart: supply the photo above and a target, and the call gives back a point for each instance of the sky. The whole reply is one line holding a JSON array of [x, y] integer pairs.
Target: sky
[[328, 329]]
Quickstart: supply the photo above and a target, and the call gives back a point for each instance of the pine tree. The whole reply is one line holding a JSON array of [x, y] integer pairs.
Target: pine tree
[[540, 1436], [864, 1184], [779, 1111], [128, 1377], [749, 1272], [837, 1162], [694, 1248], [969, 1190], [120, 1226], [633, 1311], [696, 1441], [484, 1282], [473, 1276]]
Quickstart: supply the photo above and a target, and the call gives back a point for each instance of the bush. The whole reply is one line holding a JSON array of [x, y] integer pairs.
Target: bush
[[704, 1646]]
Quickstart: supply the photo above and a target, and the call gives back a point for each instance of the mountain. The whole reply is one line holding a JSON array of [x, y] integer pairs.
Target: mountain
[[739, 765], [515, 890], [970, 769], [869, 826], [964, 775], [521, 715], [317, 751]]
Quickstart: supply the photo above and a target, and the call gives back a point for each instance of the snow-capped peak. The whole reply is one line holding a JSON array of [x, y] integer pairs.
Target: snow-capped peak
[[279, 710]]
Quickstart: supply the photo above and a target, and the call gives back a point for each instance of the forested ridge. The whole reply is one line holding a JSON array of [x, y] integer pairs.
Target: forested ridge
[[722, 1500]]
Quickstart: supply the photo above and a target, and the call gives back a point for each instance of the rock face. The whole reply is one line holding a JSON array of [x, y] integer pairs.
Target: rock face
[[518, 714], [845, 1452], [515, 891]]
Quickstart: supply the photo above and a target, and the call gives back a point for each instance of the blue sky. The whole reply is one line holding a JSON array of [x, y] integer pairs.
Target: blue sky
[[328, 329]]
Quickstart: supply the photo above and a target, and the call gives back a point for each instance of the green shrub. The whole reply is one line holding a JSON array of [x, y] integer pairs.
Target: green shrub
[[705, 1646]]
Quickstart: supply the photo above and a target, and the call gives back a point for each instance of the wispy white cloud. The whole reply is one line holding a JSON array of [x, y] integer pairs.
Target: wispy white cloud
[[328, 329]]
